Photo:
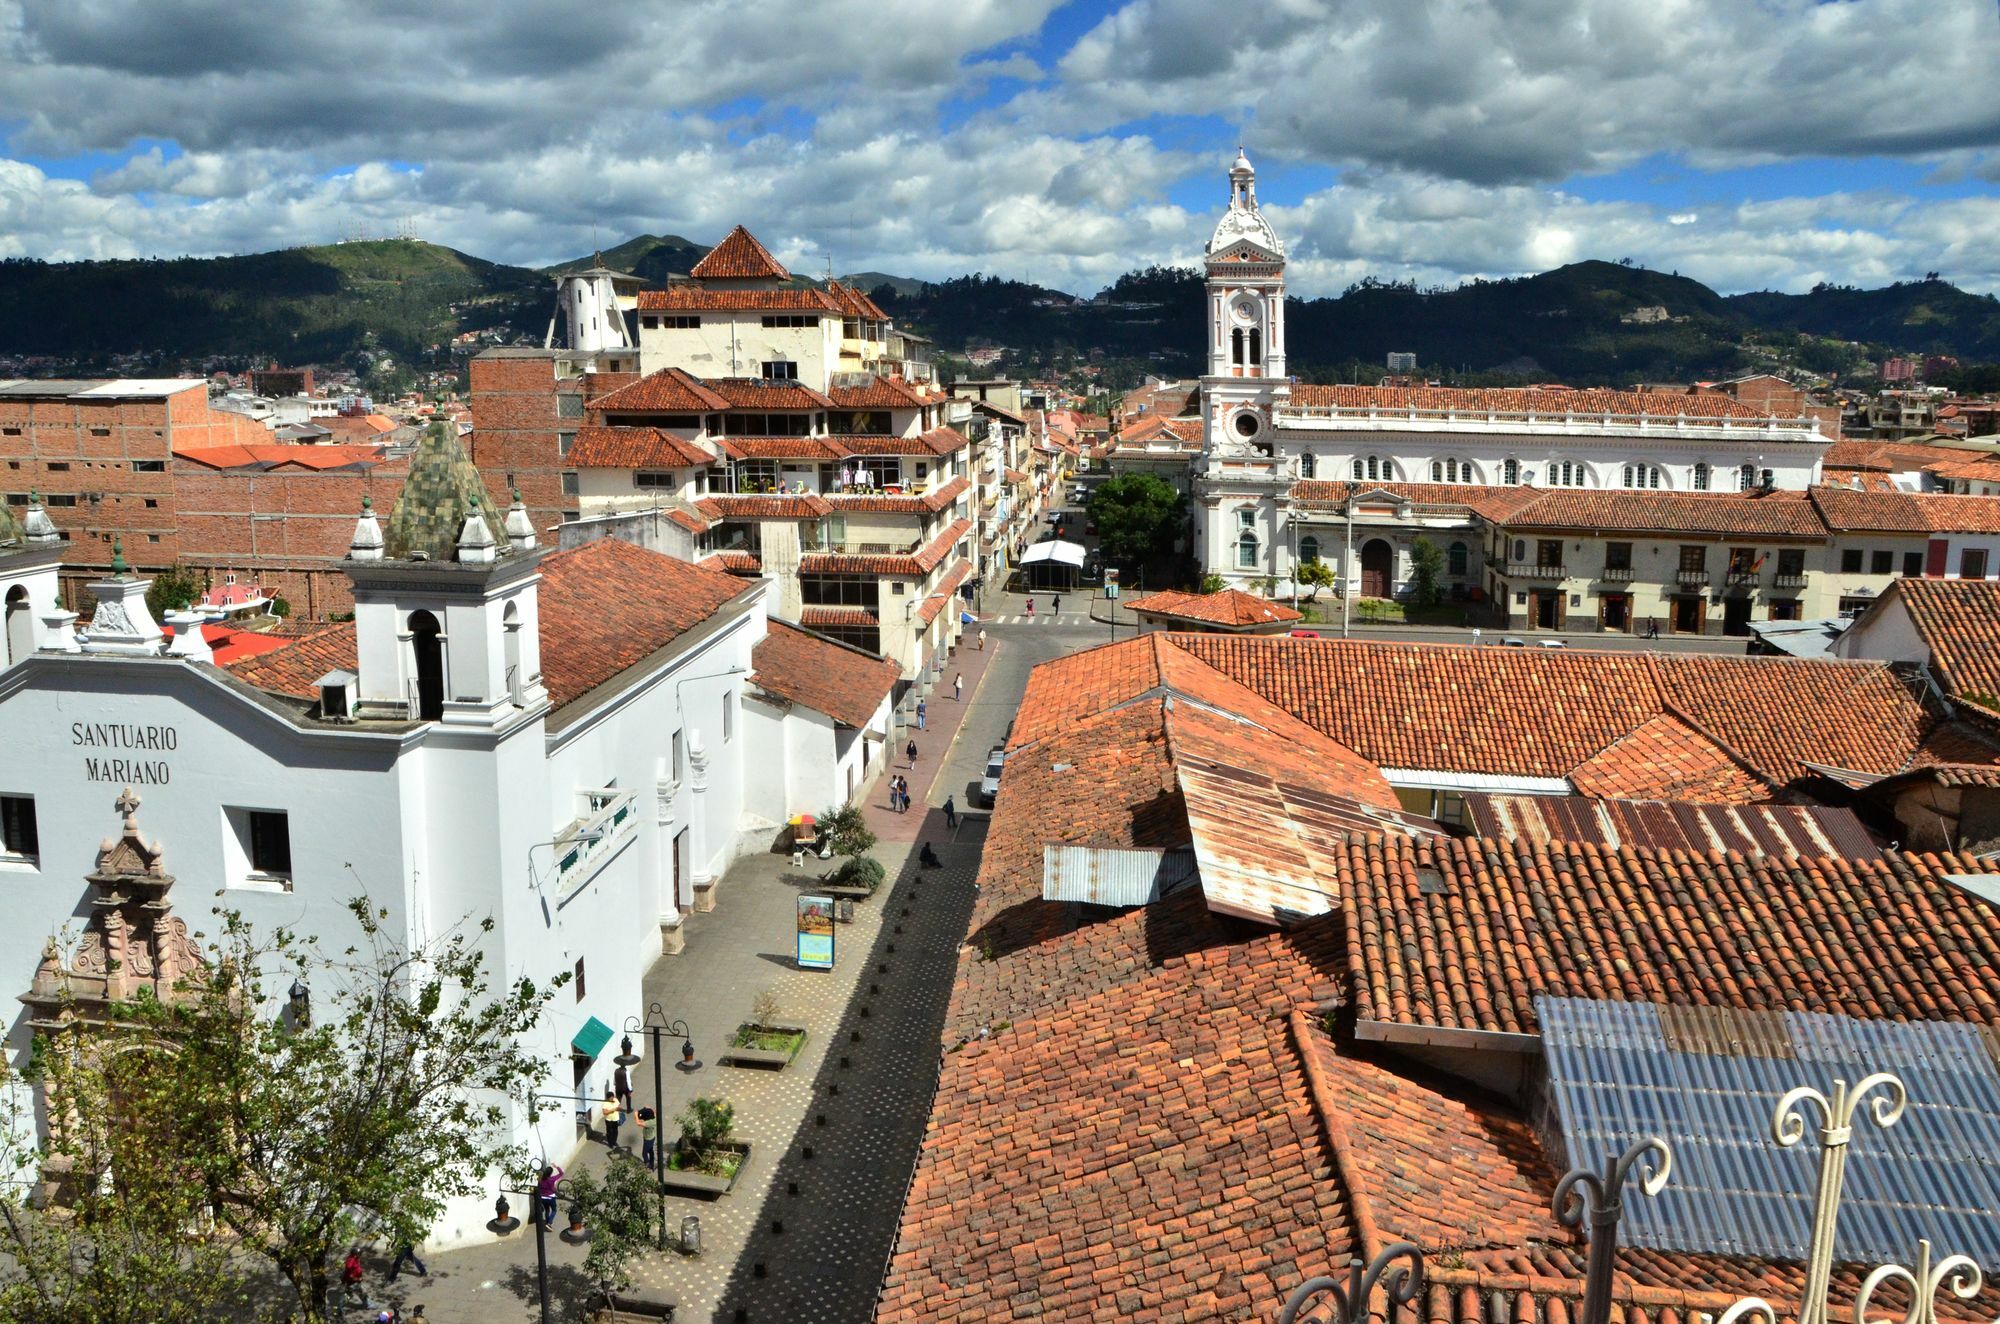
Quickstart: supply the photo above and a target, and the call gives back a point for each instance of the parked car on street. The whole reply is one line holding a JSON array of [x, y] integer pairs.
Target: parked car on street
[[989, 785]]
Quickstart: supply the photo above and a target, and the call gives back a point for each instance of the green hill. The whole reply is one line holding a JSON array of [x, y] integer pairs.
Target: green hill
[[651, 257], [299, 305], [1919, 317]]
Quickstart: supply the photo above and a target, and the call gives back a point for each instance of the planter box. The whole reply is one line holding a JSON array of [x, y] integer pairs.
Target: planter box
[[776, 1059], [632, 1305], [845, 893], [701, 1184]]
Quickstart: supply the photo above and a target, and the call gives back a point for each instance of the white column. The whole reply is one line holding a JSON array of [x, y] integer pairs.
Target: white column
[[699, 876]]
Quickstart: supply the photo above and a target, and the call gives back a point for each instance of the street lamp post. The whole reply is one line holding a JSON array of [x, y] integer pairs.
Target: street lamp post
[[655, 1025], [541, 1226]]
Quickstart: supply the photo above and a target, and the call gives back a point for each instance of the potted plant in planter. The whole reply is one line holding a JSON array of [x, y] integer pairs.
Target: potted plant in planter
[[619, 1206], [856, 876], [707, 1158], [763, 1040]]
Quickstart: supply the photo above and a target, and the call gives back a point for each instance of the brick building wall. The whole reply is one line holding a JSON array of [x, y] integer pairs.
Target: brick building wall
[[285, 528], [523, 405]]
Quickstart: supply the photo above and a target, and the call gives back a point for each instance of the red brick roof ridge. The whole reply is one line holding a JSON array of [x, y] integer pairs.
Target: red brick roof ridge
[[1701, 728], [739, 257], [1338, 1142]]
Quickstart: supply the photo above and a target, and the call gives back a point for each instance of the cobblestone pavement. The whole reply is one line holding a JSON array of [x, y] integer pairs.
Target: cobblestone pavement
[[807, 1231]]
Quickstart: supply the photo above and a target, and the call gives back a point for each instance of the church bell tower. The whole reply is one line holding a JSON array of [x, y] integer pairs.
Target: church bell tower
[[1245, 263]]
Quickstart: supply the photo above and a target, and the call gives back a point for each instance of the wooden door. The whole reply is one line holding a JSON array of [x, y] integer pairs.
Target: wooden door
[[1378, 561]]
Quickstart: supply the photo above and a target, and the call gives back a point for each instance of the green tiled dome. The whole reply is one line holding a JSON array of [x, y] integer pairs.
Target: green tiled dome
[[443, 487], [10, 528]]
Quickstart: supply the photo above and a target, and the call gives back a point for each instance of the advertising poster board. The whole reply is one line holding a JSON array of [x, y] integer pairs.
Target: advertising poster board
[[815, 933]]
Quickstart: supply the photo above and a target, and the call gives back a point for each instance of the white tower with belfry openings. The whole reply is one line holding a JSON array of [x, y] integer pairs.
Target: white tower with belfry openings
[[1239, 478]]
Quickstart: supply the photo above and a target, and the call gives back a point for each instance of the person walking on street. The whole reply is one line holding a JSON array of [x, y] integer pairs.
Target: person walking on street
[[1031, 609], [1055, 606], [351, 1290], [649, 1134], [613, 1115], [982, 639], [958, 687], [950, 813], [408, 1254], [621, 1085], [911, 750], [895, 793], [545, 1191], [920, 714]]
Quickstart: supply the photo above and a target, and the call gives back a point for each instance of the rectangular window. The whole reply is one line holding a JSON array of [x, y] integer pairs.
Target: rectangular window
[[1972, 563], [1549, 553], [12, 432], [650, 479], [679, 755], [56, 499], [1792, 561], [149, 466], [1618, 556], [579, 979], [569, 405], [57, 466], [18, 835], [569, 487], [152, 503], [1913, 565], [1850, 561], [790, 320], [1742, 560], [728, 716], [1694, 560], [100, 432], [263, 844], [564, 440], [1881, 562], [680, 322], [1785, 609], [780, 370]]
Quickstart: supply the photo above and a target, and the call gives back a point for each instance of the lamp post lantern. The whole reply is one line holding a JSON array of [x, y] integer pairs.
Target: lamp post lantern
[[655, 1024]]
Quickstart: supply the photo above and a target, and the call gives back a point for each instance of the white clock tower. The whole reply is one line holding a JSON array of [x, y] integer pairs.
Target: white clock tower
[[1241, 476]]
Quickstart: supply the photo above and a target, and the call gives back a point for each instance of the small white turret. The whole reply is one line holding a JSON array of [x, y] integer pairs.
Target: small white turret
[[366, 545], [189, 642], [520, 529], [37, 528], [122, 622], [475, 541]]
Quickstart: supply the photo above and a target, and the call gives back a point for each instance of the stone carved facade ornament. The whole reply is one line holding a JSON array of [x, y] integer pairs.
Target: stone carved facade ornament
[[132, 942]]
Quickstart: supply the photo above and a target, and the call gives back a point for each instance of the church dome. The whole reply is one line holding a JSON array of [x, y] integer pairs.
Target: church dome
[[11, 533], [1243, 222], [443, 490]]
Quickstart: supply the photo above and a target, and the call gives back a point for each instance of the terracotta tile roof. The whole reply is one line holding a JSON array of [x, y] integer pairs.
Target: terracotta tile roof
[[739, 257], [1013, 475], [1182, 433], [757, 394], [1985, 467], [328, 455], [694, 297], [736, 563], [689, 520], [781, 448], [1959, 620], [1884, 456], [854, 303], [1906, 512], [1523, 400], [1776, 514], [1664, 758], [1431, 706], [912, 565], [1504, 921], [934, 604], [771, 505], [1493, 503], [1069, 1154], [1228, 607], [821, 618], [837, 679], [880, 393], [670, 390], [634, 448], [924, 443], [1745, 829], [293, 668], [937, 498]]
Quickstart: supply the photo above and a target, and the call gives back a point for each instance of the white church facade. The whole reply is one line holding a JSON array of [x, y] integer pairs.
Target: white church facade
[[1264, 433], [576, 744]]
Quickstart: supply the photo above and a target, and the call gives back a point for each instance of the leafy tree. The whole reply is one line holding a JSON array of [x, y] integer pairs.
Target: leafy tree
[[706, 1126], [296, 1135], [1315, 575], [619, 1209], [847, 828], [1213, 583], [1137, 515], [174, 588], [1426, 573]]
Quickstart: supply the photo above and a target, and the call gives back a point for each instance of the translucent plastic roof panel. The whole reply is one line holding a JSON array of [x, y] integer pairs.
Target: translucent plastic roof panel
[[1621, 1071]]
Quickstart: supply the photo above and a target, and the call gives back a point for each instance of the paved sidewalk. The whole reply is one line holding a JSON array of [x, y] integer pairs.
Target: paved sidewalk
[[943, 716]]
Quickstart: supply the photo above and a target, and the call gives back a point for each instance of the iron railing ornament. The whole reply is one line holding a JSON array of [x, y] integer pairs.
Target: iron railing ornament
[[1398, 1281], [1604, 1197], [1788, 1127], [1956, 1272]]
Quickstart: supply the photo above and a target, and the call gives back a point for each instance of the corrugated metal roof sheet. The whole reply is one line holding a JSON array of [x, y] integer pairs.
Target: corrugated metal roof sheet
[[1113, 876], [1618, 1074], [1808, 831]]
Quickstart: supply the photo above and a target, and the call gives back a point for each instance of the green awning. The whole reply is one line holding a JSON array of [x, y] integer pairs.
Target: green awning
[[590, 1040]]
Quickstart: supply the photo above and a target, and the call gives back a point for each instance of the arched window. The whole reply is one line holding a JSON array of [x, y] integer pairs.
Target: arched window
[[1456, 558], [1308, 550], [1642, 475], [18, 639], [1520, 549], [429, 650], [1358, 473], [1565, 473], [1437, 471], [1236, 345], [1308, 465], [510, 628], [1746, 478], [1256, 344], [1510, 472], [1246, 550], [1701, 475]]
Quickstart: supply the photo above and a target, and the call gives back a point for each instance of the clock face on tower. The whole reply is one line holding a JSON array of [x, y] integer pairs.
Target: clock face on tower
[[1244, 308]]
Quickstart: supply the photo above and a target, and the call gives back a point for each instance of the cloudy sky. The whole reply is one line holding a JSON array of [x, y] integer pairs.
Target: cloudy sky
[[1750, 143]]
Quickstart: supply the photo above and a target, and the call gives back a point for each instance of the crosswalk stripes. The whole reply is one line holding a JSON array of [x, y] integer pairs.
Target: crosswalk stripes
[[1040, 619]]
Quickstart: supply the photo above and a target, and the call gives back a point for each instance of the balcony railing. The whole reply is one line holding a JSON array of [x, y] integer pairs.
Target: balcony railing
[[1690, 577], [1789, 579], [591, 838], [1618, 573], [1738, 578], [1530, 570]]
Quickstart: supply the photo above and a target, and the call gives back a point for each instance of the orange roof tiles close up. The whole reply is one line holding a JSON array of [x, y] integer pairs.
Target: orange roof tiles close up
[[1231, 608], [845, 683], [1523, 400], [670, 390], [739, 257], [626, 447], [1959, 620]]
